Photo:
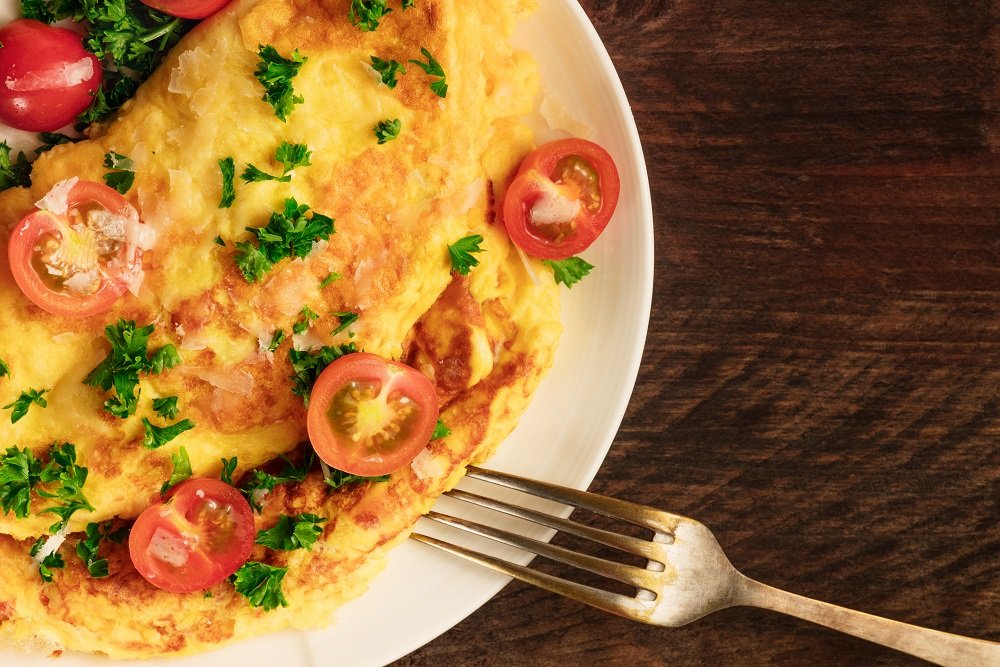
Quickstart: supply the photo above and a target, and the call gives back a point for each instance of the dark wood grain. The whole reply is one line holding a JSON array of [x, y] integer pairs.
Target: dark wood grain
[[820, 383]]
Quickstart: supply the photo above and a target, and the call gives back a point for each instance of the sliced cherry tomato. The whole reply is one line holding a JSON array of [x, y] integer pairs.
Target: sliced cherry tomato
[[78, 259], [199, 534], [370, 416], [562, 198], [187, 9], [48, 78]]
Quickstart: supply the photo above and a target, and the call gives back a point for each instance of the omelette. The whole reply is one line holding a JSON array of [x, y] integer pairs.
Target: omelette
[[484, 340]]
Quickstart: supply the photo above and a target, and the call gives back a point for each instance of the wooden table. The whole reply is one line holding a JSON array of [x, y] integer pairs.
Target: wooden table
[[821, 380]]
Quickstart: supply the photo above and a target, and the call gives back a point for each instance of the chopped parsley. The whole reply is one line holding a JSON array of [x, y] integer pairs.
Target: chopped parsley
[[128, 357], [62, 468], [20, 471], [569, 271], [5, 369], [52, 139], [51, 562], [346, 320], [288, 234], [253, 174], [13, 173], [441, 430], [289, 155], [407, 4], [433, 68], [228, 168], [219, 242], [329, 279], [260, 483], [308, 364], [275, 73], [308, 315], [260, 584], [461, 252], [338, 478], [389, 70], [292, 532], [122, 176], [182, 470], [366, 14], [166, 407], [228, 468], [88, 547], [157, 436], [387, 130], [19, 407], [276, 340]]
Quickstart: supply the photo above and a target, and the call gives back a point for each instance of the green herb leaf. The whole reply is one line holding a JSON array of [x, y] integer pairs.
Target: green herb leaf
[[260, 584], [228, 468], [260, 483], [157, 436], [52, 139], [13, 173], [387, 130], [291, 533], [329, 279], [276, 340], [228, 168], [308, 364], [20, 471], [182, 470], [5, 369], [440, 431], [218, 241], [292, 156], [346, 320], [366, 14], [71, 478], [21, 404], [254, 175], [569, 271], [433, 68], [339, 478], [53, 561], [461, 252], [307, 316], [166, 407], [389, 70], [407, 4], [275, 73], [288, 234], [88, 547]]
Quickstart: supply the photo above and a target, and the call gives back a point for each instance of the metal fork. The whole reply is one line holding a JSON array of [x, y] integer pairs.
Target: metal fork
[[687, 575]]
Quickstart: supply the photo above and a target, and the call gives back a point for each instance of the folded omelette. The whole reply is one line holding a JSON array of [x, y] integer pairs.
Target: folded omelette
[[484, 339]]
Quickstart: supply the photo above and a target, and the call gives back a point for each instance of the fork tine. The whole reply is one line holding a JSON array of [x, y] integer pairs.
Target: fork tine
[[640, 515], [625, 543], [614, 603], [627, 574]]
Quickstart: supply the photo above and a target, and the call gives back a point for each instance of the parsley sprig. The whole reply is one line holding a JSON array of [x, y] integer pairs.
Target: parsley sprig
[[387, 130], [88, 547], [20, 405], [129, 357], [261, 483], [365, 15], [260, 584], [228, 168], [308, 364], [289, 155], [182, 470], [122, 176], [166, 407], [389, 70], [569, 271], [20, 471], [338, 478], [461, 252], [157, 436], [290, 233], [51, 562], [292, 532], [68, 493], [307, 315], [14, 173], [432, 67], [275, 73]]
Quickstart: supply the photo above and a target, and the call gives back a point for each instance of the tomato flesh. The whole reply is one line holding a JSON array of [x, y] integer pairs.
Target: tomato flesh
[[187, 9], [198, 535], [370, 416], [48, 77], [77, 263], [562, 198]]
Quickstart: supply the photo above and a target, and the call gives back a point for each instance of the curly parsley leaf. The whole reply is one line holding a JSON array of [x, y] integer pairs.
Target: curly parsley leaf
[[13, 173], [275, 73], [51, 562], [63, 469], [289, 155], [387, 130], [5, 369], [389, 70], [260, 584], [433, 68], [88, 547], [338, 478], [308, 364], [182, 470], [346, 320], [461, 253], [128, 357], [123, 175], [166, 407], [228, 469], [365, 15], [227, 166], [253, 174], [20, 472], [288, 234], [157, 436], [52, 139], [19, 407], [276, 340], [260, 483], [307, 316], [292, 532], [408, 4], [569, 271], [440, 430]]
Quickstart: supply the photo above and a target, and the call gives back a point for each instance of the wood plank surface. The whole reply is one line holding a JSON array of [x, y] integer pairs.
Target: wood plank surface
[[820, 383]]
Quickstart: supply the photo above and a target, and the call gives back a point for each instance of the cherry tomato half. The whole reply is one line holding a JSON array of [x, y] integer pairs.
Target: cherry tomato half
[[48, 78], [370, 416], [199, 534], [187, 9], [562, 198], [77, 263]]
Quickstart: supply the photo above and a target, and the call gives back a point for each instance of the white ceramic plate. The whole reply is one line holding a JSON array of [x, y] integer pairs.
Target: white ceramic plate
[[565, 434]]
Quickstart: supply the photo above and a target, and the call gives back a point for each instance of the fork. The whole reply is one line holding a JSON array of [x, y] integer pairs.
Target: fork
[[687, 575]]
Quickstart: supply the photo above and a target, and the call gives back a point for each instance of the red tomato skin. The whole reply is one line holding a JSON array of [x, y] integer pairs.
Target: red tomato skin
[[364, 366], [202, 570], [539, 166], [33, 58], [187, 9], [21, 248]]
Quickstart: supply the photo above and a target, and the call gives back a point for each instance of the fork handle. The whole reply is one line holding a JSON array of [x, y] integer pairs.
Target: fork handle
[[938, 647]]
